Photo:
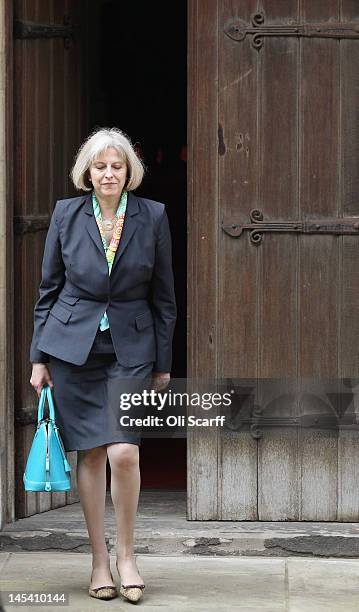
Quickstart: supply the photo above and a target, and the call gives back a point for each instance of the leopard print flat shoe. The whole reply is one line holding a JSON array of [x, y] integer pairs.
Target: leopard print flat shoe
[[132, 592], [104, 592]]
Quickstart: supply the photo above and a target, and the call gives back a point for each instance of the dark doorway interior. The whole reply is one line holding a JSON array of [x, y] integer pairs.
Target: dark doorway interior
[[140, 61]]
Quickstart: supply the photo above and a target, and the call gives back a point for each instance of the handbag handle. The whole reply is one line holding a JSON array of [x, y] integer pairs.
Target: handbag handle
[[45, 393]]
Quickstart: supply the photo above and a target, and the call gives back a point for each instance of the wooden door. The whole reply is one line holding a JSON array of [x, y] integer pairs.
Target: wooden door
[[274, 144], [50, 119]]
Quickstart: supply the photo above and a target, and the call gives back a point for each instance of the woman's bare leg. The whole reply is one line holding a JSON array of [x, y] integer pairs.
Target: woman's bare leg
[[125, 488], [91, 482]]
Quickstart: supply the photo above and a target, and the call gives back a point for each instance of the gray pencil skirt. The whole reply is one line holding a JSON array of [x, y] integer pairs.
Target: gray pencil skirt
[[88, 398]]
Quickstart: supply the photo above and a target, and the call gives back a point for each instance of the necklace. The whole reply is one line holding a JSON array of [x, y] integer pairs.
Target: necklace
[[111, 248], [108, 224]]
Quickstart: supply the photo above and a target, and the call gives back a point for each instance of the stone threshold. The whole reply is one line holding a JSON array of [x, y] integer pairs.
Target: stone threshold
[[162, 529]]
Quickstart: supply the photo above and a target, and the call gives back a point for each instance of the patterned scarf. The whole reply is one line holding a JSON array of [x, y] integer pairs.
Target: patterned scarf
[[111, 249]]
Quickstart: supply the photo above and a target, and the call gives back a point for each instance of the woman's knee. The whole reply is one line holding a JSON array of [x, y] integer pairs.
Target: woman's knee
[[92, 456], [123, 456]]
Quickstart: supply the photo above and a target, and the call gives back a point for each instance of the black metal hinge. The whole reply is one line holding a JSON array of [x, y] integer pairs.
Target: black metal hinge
[[337, 226], [238, 30], [30, 223], [31, 29]]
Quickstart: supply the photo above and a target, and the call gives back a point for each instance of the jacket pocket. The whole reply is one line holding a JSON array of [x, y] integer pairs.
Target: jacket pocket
[[69, 299], [60, 313], [144, 320]]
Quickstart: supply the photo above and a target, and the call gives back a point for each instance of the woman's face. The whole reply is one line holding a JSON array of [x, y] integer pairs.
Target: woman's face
[[108, 173]]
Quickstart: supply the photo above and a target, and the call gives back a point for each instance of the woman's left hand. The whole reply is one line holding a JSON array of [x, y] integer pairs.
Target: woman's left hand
[[160, 380]]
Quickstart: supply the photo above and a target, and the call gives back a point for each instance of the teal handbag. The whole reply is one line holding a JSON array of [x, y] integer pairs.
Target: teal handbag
[[47, 468]]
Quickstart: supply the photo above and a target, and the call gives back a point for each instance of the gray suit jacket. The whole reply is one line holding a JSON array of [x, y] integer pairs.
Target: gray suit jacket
[[76, 288]]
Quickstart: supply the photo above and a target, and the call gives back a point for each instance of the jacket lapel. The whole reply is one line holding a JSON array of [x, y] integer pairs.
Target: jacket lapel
[[91, 225], [128, 230], [129, 227]]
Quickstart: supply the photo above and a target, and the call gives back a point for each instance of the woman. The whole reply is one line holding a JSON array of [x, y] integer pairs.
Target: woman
[[106, 311]]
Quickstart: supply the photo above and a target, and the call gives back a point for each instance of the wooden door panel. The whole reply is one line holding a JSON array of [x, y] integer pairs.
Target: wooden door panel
[[277, 176], [203, 237], [237, 295], [50, 120], [288, 307], [237, 87], [348, 472]]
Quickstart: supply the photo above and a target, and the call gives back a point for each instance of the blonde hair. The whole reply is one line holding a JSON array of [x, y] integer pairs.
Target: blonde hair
[[98, 141]]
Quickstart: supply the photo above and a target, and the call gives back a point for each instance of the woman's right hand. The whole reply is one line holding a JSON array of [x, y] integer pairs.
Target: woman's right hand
[[40, 377]]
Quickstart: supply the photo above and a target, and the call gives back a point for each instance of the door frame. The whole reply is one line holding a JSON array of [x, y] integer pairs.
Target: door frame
[[7, 429]]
